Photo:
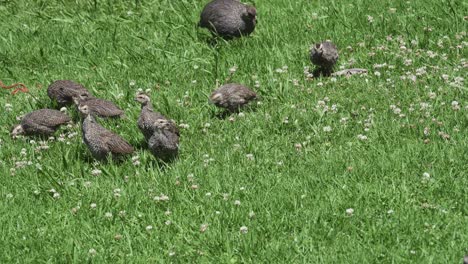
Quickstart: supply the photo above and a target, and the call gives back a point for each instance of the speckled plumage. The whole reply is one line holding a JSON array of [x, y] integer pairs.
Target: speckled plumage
[[100, 141], [63, 91], [232, 96], [41, 122], [164, 143], [228, 18], [99, 107], [148, 117], [324, 55]]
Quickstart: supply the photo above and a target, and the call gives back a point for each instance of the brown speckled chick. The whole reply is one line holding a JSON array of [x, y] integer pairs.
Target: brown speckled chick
[[324, 55], [99, 107], [100, 141], [232, 96], [63, 91], [43, 122], [228, 18], [164, 143], [148, 117]]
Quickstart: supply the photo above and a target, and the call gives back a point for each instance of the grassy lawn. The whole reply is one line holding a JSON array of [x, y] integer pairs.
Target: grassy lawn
[[367, 169]]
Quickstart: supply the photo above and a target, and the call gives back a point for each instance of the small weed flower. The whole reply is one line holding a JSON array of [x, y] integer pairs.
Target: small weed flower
[[244, 230], [203, 228], [251, 214], [455, 106], [350, 211], [233, 69], [96, 172], [92, 252], [362, 137]]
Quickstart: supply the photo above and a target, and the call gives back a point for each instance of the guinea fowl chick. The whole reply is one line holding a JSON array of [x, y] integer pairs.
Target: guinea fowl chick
[[43, 122], [324, 55], [228, 18], [148, 117], [164, 143], [232, 96], [63, 91], [100, 141], [99, 107]]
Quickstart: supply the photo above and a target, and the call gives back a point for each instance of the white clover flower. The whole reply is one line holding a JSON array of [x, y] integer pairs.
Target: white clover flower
[[349, 211], [203, 228], [96, 172], [455, 106], [233, 69], [251, 214], [244, 229]]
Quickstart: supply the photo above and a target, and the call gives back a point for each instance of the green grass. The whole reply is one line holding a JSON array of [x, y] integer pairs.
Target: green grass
[[299, 196]]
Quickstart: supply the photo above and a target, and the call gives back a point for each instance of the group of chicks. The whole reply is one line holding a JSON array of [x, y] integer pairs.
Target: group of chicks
[[161, 134], [225, 18]]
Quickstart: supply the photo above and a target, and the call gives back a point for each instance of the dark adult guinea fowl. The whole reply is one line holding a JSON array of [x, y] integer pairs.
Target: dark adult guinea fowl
[[228, 18]]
